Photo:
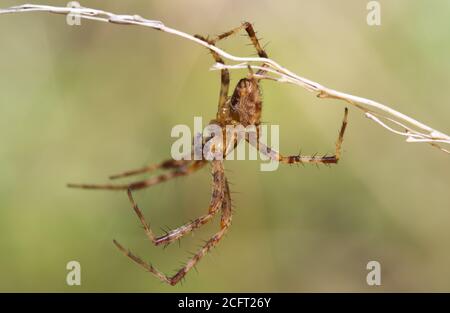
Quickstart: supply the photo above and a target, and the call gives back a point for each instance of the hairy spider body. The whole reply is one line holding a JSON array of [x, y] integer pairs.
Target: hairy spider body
[[246, 102], [243, 107]]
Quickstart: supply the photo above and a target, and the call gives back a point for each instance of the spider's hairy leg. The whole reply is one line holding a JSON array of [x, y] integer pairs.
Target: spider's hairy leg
[[261, 52], [182, 171], [222, 112], [175, 234], [255, 41], [341, 136], [225, 223], [165, 165], [252, 35], [301, 159], [225, 204], [168, 164], [148, 267]]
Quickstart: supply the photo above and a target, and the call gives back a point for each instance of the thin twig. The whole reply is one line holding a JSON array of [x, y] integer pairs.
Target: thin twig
[[414, 130]]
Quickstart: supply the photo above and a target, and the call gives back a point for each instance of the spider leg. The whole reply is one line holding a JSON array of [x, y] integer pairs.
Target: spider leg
[[300, 159], [226, 206], [181, 167], [250, 32], [181, 231], [254, 39], [225, 74], [168, 164], [219, 178], [224, 79], [165, 165], [182, 171]]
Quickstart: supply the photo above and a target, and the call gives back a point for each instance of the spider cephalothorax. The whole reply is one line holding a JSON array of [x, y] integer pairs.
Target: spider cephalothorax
[[243, 107]]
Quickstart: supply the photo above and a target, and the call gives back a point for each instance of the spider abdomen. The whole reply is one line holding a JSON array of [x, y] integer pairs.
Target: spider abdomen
[[246, 103]]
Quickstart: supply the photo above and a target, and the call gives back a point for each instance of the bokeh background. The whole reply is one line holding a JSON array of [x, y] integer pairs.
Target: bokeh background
[[79, 103]]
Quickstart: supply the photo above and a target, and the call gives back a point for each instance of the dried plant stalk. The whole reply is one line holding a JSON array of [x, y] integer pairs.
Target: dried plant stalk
[[392, 120]]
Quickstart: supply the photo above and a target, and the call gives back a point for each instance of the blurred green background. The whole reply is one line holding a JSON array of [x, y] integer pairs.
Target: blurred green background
[[79, 103]]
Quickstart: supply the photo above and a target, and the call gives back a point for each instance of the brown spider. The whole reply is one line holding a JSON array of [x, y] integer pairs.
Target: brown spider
[[243, 107]]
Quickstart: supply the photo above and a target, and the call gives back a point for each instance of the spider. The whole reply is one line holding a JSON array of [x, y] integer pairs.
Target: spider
[[243, 107]]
